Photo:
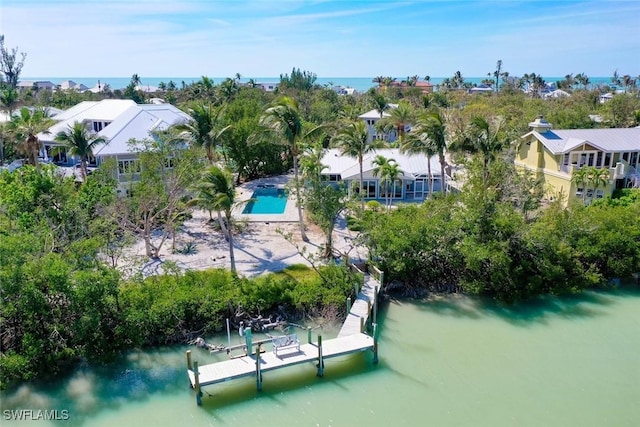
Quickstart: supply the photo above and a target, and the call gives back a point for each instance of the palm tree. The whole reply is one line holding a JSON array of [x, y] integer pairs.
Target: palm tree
[[206, 128], [352, 141], [398, 119], [215, 191], [311, 161], [484, 138], [26, 127], [379, 80], [8, 98], [599, 177], [430, 131], [420, 140], [79, 142], [388, 171], [380, 103], [284, 119], [136, 81], [580, 178]]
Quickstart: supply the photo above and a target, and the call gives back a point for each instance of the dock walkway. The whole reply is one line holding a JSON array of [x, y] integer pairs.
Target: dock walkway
[[351, 339]]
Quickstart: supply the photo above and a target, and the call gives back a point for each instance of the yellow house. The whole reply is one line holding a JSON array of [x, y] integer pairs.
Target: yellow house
[[558, 155]]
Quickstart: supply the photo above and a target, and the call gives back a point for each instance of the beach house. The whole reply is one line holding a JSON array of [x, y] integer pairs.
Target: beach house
[[611, 158], [118, 122], [412, 184], [372, 117]]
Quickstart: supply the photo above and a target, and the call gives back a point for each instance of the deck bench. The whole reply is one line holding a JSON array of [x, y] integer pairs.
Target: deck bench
[[285, 342]]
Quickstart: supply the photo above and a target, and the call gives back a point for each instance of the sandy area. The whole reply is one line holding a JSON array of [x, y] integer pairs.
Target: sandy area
[[259, 247]]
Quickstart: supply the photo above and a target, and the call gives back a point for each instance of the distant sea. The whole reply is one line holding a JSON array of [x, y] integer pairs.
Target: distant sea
[[361, 84]]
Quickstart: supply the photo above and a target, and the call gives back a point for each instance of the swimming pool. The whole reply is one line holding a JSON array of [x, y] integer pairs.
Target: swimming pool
[[267, 201]]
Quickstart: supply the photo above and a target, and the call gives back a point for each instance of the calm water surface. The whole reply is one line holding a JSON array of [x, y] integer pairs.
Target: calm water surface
[[451, 361]]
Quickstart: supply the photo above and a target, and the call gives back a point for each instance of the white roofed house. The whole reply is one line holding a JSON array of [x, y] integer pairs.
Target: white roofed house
[[561, 156], [372, 117], [412, 184], [118, 122]]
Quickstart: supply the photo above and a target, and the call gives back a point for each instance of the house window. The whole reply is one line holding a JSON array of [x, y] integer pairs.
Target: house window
[[607, 160], [565, 161], [599, 194], [128, 166], [369, 188], [579, 191]]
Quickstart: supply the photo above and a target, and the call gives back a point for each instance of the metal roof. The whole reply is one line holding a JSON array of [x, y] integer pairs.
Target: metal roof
[[608, 140], [348, 167], [128, 120]]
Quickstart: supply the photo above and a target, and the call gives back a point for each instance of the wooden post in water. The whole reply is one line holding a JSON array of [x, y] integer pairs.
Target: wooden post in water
[[348, 305], [375, 343], [196, 376], [258, 367], [248, 337], [228, 334], [309, 334], [355, 287], [361, 325], [375, 305], [369, 321], [189, 367], [320, 359]]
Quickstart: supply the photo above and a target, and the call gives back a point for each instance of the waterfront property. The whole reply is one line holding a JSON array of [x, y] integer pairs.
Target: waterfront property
[[288, 351], [118, 121], [418, 175], [558, 156]]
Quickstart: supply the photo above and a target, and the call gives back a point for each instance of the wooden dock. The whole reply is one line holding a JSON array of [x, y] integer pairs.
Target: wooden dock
[[352, 338]]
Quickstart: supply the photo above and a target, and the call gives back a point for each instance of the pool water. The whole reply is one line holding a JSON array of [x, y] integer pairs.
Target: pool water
[[267, 201]]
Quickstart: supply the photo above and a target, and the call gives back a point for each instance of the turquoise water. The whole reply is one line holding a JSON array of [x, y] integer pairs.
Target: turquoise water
[[267, 201], [447, 361]]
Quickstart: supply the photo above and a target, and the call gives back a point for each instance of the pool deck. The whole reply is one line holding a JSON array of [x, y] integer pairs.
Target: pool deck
[[245, 191]]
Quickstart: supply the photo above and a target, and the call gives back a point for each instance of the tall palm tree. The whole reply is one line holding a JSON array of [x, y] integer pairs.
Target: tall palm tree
[[284, 119], [430, 131], [380, 103], [420, 141], [398, 119], [79, 142], [206, 128], [353, 141], [484, 138], [25, 127], [388, 171], [215, 191]]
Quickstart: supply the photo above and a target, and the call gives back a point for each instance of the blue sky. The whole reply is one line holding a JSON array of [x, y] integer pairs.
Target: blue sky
[[173, 38]]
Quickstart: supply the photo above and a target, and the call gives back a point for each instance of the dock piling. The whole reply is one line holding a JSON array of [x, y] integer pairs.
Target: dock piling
[[348, 305], [309, 334], [320, 359], [258, 372], [375, 343], [375, 305], [228, 334], [362, 325], [189, 360], [196, 375]]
